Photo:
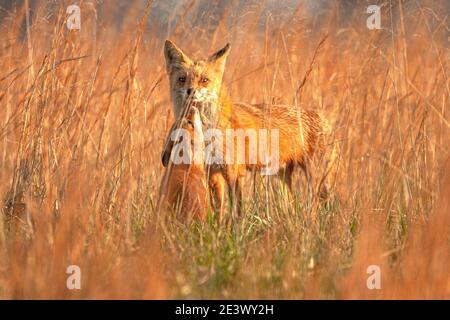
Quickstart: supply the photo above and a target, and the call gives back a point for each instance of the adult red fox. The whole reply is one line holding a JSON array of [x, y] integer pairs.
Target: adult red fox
[[199, 82]]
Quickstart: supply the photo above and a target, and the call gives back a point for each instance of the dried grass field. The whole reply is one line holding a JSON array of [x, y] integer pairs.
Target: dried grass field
[[84, 114]]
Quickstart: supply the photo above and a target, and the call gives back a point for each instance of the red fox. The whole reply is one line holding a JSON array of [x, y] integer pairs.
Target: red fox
[[199, 82], [187, 185]]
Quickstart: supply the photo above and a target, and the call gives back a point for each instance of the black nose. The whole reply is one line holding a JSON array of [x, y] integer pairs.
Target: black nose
[[190, 91]]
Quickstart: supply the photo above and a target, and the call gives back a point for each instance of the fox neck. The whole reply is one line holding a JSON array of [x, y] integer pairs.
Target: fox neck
[[224, 108], [220, 110]]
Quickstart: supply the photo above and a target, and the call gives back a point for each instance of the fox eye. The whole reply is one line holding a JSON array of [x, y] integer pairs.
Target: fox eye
[[204, 80], [182, 79]]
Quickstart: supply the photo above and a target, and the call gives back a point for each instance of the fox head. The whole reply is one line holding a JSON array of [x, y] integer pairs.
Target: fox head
[[193, 81]]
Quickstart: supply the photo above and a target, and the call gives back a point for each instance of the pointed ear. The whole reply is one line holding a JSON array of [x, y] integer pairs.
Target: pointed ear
[[174, 55], [220, 56]]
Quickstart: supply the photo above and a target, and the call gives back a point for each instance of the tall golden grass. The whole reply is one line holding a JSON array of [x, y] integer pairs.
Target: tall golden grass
[[83, 117]]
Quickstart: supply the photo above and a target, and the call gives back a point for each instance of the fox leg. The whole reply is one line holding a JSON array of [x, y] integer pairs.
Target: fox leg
[[218, 185], [331, 174], [286, 176], [316, 188], [237, 196], [235, 175], [254, 181], [323, 191]]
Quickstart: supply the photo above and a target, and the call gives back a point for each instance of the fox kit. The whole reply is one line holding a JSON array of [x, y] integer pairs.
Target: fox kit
[[186, 186], [194, 82]]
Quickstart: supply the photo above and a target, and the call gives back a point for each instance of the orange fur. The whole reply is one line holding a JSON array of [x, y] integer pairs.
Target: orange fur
[[186, 187]]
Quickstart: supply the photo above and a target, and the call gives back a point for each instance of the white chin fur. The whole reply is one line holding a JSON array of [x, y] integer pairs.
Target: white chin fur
[[200, 96]]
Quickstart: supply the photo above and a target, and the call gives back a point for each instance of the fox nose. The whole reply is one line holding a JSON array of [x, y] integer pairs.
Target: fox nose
[[190, 91]]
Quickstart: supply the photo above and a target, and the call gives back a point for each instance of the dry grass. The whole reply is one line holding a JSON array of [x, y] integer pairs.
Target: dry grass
[[82, 121]]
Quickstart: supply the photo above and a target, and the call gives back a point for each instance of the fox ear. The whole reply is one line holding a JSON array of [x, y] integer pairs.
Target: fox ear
[[174, 55], [221, 55]]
